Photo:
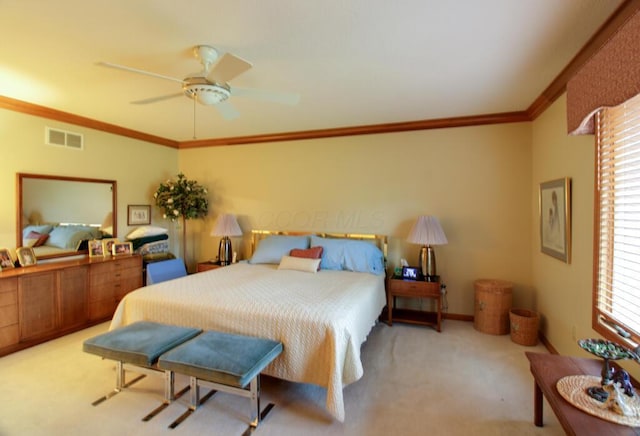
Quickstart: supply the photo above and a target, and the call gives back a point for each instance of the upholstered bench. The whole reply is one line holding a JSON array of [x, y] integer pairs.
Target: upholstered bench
[[223, 362], [136, 348]]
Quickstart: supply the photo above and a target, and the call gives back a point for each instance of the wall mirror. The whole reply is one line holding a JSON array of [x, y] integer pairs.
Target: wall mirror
[[69, 210]]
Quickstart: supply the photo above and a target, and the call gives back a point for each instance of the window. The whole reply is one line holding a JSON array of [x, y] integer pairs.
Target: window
[[616, 308]]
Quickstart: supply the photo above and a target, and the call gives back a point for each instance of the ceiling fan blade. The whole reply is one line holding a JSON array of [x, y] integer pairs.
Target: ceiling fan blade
[[135, 70], [228, 67], [263, 94], [160, 98], [227, 110]]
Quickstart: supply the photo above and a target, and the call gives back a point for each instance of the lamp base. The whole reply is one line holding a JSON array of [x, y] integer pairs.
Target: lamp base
[[224, 251], [427, 260]]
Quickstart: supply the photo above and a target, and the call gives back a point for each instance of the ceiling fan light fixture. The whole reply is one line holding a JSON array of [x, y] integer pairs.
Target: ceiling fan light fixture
[[206, 93]]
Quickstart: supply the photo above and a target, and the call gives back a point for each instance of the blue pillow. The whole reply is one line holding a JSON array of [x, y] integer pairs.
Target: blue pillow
[[45, 228], [272, 248], [349, 255], [68, 237]]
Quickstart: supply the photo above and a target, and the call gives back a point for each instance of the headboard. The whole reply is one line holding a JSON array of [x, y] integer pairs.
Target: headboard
[[379, 240]]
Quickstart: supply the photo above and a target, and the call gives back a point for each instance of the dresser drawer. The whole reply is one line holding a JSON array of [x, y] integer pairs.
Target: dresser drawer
[[111, 266], [9, 285], [9, 335], [8, 315], [9, 298]]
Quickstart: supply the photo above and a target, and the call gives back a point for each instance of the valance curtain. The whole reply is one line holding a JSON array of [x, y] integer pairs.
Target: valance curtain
[[610, 77]]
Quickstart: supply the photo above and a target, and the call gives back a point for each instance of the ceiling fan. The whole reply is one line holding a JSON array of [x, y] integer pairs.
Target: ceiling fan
[[210, 86]]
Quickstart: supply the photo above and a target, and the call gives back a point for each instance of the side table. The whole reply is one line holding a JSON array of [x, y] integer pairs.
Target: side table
[[398, 287], [547, 369]]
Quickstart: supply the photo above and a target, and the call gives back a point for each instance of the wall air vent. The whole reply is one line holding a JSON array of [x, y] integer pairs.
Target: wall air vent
[[63, 138]]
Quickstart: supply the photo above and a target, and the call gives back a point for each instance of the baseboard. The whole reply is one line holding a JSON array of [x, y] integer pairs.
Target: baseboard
[[457, 316]]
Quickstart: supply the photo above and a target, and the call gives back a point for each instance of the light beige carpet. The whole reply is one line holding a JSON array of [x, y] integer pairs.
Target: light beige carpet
[[417, 381]]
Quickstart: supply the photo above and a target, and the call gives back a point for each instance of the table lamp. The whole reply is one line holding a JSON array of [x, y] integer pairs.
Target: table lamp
[[427, 232], [226, 226]]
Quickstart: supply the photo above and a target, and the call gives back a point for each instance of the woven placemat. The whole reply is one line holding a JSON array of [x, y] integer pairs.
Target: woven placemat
[[573, 388]]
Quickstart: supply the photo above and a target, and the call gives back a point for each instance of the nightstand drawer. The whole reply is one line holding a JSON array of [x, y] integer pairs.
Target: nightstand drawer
[[414, 288]]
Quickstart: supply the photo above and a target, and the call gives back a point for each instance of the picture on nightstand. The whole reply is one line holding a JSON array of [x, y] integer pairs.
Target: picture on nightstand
[[411, 273]]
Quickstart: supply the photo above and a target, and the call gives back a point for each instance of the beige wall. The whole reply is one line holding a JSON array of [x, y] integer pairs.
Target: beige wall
[[137, 166], [482, 183], [563, 291], [475, 180]]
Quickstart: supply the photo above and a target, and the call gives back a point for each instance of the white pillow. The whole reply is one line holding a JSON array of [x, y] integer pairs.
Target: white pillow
[[143, 231], [299, 264]]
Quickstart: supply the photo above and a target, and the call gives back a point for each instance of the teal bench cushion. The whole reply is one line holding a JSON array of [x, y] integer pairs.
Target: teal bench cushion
[[140, 343], [228, 359]]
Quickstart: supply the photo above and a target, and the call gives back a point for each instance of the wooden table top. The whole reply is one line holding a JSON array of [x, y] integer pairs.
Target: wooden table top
[[547, 369]]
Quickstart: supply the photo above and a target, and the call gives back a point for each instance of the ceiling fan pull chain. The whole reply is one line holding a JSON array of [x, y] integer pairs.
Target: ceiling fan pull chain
[[194, 118]]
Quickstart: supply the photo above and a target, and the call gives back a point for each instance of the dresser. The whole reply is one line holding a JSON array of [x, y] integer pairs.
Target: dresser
[[45, 301]]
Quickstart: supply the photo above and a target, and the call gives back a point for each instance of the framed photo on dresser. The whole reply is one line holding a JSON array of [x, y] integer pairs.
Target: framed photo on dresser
[[26, 256], [96, 249], [6, 261], [119, 248]]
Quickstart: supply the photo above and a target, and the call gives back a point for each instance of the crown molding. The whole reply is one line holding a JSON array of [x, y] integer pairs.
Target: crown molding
[[442, 123]]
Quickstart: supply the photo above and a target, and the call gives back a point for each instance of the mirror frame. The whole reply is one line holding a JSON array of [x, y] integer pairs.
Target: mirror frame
[[19, 224]]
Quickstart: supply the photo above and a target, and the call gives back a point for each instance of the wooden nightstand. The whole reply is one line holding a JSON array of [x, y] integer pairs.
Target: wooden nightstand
[[397, 287], [206, 266]]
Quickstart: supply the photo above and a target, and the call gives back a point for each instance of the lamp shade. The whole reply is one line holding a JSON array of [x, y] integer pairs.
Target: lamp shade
[[226, 225], [427, 231]]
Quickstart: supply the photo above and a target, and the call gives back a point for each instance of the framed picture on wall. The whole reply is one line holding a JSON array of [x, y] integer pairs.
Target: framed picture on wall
[[138, 214], [555, 218]]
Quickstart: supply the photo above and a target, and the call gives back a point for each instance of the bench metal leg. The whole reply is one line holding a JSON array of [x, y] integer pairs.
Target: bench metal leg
[[121, 384], [253, 393], [254, 389]]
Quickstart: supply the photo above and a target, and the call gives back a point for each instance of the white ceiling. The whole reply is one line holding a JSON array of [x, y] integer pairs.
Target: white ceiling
[[354, 62]]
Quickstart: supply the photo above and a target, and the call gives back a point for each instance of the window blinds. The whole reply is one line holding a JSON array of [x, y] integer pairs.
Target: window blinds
[[617, 260]]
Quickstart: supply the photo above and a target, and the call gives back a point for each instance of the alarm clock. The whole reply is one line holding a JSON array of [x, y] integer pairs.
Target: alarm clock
[[411, 273]]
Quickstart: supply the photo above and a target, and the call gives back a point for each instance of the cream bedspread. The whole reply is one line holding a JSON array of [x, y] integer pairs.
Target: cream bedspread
[[322, 319]]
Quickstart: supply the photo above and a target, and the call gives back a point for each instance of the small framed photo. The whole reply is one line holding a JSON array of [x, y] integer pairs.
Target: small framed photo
[[96, 249], [119, 248], [555, 218], [6, 261], [26, 256], [107, 245], [138, 214], [411, 273]]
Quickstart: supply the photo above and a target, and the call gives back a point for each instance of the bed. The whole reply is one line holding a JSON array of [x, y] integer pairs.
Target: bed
[[321, 316]]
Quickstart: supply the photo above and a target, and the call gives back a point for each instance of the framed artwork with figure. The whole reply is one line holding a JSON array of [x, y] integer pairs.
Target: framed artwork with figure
[[138, 214], [555, 218]]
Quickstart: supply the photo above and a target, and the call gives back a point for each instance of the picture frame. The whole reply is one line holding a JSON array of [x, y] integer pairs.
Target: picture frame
[[554, 205], [107, 245], [121, 248], [26, 256], [138, 214], [96, 248], [6, 261]]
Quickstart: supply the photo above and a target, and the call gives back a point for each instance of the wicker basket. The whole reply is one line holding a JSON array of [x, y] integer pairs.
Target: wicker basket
[[492, 304], [524, 326]]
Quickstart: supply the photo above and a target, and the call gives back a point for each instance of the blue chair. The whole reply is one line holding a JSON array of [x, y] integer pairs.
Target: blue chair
[[165, 270]]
